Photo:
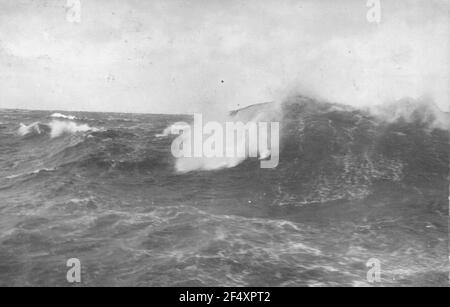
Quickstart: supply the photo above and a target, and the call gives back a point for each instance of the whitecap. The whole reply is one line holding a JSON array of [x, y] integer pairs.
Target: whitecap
[[59, 128], [174, 129], [27, 129], [59, 115]]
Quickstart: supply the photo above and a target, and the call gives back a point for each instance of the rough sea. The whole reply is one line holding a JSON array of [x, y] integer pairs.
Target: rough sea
[[104, 188]]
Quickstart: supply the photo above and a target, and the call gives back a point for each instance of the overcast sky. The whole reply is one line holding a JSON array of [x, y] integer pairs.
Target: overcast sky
[[173, 56]]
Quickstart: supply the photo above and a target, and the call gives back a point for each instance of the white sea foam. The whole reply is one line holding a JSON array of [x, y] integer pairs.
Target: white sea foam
[[31, 173], [59, 115], [59, 128], [260, 113], [414, 109], [173, 129], [28, 129]]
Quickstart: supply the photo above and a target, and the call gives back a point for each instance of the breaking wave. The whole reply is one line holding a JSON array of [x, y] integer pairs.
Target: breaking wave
[[300, 115], [58, 128], [32, 129], [59, 115], [239, 143], [413, 110], [55, 128]]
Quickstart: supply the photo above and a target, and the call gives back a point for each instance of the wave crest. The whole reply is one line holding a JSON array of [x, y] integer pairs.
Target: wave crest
[[59, 128], [414, 110], [32, 129], [59, 115], [174, 127], [265, 112], [55, 128]]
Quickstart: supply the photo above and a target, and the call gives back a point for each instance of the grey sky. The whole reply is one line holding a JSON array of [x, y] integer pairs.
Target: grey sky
[[171, 56]]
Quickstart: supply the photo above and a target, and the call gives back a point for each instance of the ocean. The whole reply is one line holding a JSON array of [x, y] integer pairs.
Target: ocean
[[350, 188]]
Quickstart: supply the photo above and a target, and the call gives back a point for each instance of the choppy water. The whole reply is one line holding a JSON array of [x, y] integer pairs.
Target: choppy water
[[103, 188]]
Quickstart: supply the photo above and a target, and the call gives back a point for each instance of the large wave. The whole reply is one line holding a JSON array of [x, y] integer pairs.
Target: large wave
[[349, 140]]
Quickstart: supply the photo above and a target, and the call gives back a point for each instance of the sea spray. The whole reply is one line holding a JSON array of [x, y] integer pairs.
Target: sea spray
[[59, 115], [210, 145], [56, 128], [33, 128]]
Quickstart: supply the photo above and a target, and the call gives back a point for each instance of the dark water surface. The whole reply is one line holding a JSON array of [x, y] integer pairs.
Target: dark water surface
[[108, 194]]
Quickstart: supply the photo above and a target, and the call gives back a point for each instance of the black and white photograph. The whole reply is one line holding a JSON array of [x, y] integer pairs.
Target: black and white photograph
[[224, 148]]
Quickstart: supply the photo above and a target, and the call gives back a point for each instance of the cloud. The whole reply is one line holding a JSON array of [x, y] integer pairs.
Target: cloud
[[184, 57]]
